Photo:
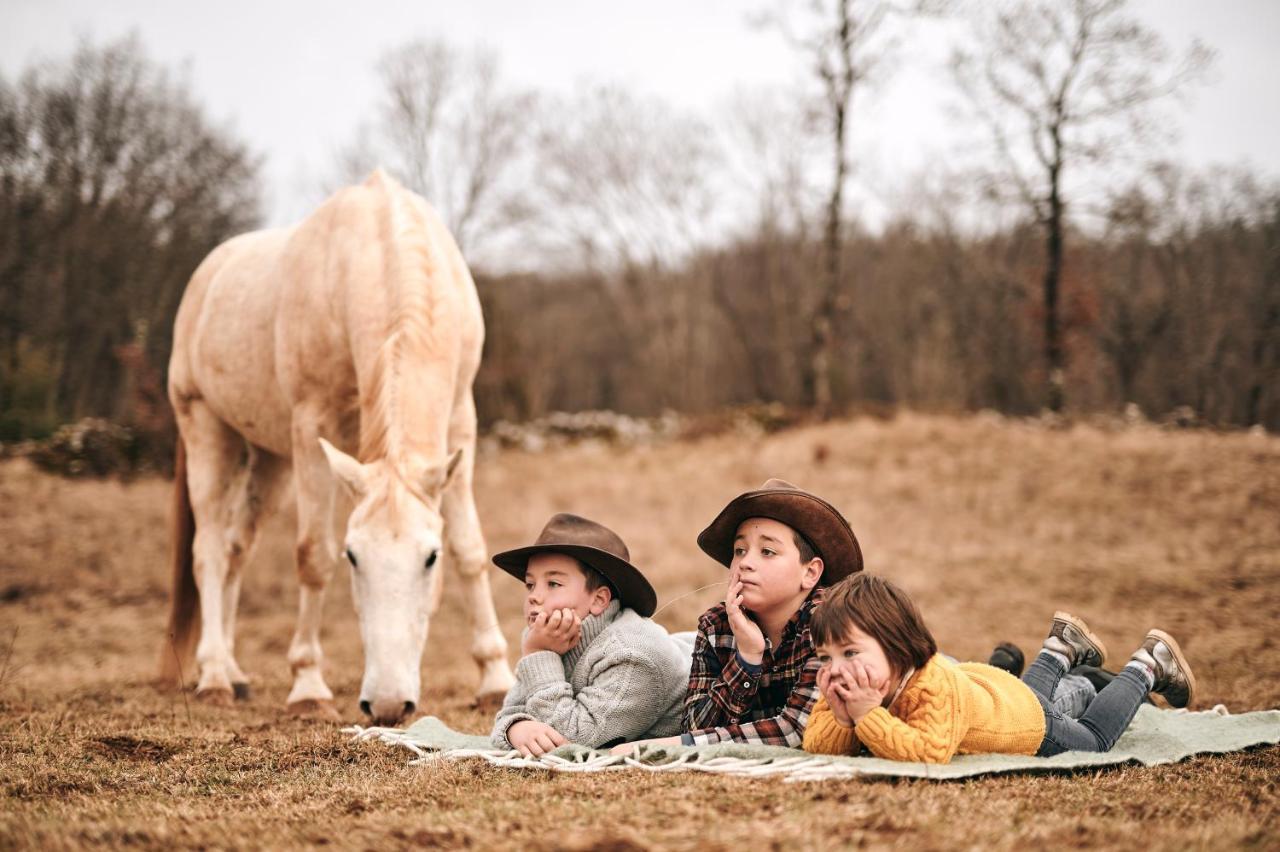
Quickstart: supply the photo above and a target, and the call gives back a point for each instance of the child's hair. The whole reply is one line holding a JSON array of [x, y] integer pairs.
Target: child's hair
[[807, 551], [882, 611], [595, 579]]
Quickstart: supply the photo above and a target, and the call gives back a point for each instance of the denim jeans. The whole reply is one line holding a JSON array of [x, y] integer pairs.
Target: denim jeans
[[1074, 695], [1100, 725]]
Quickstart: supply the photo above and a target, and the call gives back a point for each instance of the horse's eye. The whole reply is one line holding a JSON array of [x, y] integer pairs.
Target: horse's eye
[[351, 557], [431, 558]]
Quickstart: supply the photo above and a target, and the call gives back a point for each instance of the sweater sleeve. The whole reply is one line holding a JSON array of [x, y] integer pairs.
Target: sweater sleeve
[[824, 735], [931, 732], [618, 703], [512, 711]]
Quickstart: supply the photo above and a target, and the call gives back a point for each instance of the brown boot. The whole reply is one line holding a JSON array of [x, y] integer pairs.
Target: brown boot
[[1173, 678], [1072, 638]]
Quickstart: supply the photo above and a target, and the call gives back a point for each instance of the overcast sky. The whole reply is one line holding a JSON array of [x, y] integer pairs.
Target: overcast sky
[[295, 78]]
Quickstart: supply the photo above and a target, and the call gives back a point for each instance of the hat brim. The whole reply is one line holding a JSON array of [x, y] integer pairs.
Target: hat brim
[[810, 515], [634, 591]]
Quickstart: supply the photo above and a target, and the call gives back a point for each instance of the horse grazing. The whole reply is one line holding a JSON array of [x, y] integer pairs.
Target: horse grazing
[[336, 356]]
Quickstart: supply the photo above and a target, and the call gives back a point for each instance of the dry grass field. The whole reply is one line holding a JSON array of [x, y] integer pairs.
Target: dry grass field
[[990, 523]]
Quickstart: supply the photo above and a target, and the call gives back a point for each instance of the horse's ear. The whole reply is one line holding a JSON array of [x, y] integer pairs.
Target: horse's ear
[[346, 469], [437, 477]]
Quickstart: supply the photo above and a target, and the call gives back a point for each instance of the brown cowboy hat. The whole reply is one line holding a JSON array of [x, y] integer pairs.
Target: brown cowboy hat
[[810, 515], [594, 545]]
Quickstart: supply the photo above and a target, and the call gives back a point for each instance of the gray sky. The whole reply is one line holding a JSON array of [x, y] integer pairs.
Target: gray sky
[[295, 78]]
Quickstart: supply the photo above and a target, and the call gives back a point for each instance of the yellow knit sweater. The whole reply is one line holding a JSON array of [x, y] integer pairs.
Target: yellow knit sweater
[[946, 708]]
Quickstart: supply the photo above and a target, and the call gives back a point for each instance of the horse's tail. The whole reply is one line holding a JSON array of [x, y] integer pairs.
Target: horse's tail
[[184, 603]]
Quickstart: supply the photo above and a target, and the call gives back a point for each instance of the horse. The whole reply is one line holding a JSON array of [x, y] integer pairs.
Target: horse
[[332, 360]]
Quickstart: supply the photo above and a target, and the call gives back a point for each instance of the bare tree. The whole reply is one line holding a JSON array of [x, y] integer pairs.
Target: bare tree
[[843, 43], [1062, 85], [770, 147], [452, 130], [113, 186], [622, 182]]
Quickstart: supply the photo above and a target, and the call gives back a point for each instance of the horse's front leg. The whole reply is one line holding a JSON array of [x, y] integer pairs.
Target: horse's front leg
[[316, 555], [254, 499], [465, 548]]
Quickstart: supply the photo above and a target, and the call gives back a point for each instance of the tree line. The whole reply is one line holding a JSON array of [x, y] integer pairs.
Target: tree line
[[636, 257]]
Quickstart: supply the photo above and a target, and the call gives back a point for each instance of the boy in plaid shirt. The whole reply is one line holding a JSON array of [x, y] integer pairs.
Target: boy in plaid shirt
[[754, 673]]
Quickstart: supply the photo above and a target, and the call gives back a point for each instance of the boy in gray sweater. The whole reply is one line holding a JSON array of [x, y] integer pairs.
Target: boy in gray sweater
[[595, 668]]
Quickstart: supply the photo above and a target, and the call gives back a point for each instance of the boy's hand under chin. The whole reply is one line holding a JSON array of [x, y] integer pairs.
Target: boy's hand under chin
[[558, 631], [746, 633]]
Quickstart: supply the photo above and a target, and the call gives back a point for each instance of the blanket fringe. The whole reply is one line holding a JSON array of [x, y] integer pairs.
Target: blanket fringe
[[791, 768]]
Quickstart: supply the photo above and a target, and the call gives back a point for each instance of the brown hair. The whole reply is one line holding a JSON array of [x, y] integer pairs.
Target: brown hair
[[595, 579], [882, 611], [807, 551]]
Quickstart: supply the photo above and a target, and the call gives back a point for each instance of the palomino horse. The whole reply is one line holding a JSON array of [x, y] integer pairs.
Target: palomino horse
[[337, 354]]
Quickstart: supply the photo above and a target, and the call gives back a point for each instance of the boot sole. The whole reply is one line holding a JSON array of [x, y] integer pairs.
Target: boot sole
[[1078, 624], [1183, 665]]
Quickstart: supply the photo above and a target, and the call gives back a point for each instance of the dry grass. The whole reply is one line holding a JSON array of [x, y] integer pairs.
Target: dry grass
[[991, 524]]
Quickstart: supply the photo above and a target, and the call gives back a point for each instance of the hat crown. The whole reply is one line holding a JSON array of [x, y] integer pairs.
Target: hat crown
[[808, 514], [574, 530]]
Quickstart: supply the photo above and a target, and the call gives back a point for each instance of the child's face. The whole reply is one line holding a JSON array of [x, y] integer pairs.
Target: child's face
[[837, 655], [555, 581], [767, 561]]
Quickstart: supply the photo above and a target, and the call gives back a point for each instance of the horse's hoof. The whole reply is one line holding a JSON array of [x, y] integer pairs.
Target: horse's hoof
[[315, 708], [241, 691], [216, 697], [489, 703]]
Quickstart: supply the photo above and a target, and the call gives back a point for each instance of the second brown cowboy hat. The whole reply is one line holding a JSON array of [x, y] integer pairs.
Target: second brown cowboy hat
[[810, 515], [596, 546]]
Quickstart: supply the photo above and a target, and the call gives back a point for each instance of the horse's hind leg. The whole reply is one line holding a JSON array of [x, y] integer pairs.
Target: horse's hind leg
[[465, 548], [217, 477]]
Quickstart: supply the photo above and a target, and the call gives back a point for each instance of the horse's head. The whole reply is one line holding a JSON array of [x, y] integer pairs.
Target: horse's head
[[393, 544]]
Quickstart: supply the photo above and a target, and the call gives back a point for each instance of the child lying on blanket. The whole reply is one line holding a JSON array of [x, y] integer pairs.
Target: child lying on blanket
[[884, 686], [754, 675], [596, 669]]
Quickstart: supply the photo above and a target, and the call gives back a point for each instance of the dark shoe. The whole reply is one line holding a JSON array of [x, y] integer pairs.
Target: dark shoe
[[1072, 638], [1008, 656], [1173, 677]]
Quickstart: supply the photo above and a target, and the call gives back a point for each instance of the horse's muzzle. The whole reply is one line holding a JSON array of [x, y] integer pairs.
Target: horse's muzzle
[[387, 712]]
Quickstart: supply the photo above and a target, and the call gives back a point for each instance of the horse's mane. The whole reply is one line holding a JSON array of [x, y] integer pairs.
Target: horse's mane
[[394, 407]]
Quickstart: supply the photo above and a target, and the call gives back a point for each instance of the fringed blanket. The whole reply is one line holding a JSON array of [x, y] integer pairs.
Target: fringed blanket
[[1155, 737]]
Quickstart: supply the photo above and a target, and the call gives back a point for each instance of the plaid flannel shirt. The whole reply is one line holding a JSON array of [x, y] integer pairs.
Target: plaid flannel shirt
[[730, 699]]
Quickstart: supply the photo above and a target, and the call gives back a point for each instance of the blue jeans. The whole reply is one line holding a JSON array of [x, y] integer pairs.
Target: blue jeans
[[1074, 695], [1100, 725]]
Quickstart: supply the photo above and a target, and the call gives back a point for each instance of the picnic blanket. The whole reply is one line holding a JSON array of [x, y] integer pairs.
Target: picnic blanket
[[1155, 737]]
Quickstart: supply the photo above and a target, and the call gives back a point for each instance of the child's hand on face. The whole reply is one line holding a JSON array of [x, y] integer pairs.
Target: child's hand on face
[[534, 738], [556, 631], [859, 690], [747, 634], [826, 682]]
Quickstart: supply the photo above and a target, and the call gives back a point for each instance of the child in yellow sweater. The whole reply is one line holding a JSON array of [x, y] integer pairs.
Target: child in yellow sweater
[[885, 687]]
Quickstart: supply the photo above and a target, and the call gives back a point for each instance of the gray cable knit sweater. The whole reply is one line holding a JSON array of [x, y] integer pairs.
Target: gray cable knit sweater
[[625, 680]]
